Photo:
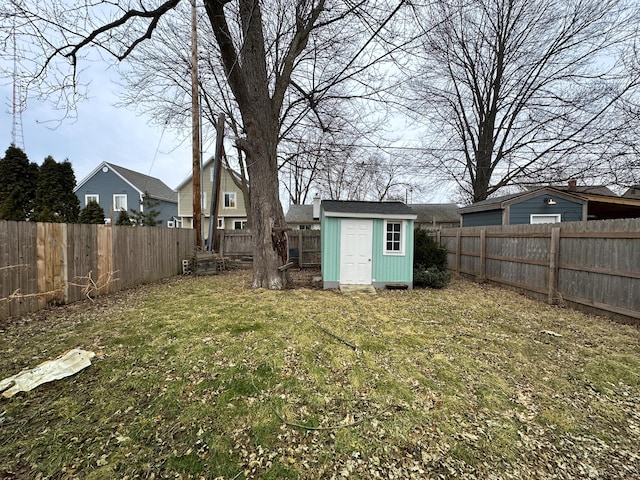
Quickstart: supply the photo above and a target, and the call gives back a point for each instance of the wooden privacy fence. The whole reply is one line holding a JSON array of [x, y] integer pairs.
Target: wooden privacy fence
[[593, 264], [303, 245], [55, 263]]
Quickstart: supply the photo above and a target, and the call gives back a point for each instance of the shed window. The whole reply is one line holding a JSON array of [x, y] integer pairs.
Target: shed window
[[394, 239]]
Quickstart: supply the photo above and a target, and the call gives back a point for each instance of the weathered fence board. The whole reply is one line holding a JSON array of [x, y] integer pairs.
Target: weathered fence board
[[592, 264], [51, 263], [304, 243]]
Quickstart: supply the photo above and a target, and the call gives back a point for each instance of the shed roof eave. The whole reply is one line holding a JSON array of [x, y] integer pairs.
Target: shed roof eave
[[369, 215]]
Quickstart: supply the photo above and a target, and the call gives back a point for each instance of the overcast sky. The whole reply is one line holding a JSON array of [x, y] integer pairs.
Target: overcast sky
[[101, 132]]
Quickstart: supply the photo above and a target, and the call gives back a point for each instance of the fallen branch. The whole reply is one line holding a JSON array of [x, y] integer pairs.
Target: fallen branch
[[17, 295], [307, 427], [22, 265], [92, 287], [551, 333], [337, 337], [330, 427]]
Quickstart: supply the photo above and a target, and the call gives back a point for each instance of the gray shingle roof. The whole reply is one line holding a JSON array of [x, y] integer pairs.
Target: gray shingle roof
[[300, 214], [436, 212], [155, 187], [367, 208]]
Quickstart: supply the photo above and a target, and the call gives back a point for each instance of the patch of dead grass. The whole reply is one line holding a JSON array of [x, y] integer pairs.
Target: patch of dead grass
[[207, 378]]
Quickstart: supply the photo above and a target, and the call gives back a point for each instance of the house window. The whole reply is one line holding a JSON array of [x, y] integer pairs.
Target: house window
[[304, 227], [239, 224], [221, 223], [545, 218], [91, 197], [230, 200], [119, 202], [393, 238]]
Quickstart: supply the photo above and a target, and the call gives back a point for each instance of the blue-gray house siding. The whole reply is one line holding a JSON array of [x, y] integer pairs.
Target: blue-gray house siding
[[108, 180], [518, 208], [106, 185], [520, 213], [479, 219]]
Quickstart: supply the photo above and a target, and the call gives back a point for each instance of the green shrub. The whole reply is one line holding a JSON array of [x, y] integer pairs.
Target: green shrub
[[431, 277], [427, 252]]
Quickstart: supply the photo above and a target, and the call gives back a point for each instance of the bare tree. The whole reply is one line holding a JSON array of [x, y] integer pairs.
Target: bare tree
[[264, 58], [356, 175], [520, 91]]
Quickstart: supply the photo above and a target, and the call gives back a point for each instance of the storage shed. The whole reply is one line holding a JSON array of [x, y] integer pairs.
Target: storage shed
[[367, 243]]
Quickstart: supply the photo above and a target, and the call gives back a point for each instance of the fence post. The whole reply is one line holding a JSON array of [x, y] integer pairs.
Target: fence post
[[483, 255], [458, 250], [554, 255], [299, 248]]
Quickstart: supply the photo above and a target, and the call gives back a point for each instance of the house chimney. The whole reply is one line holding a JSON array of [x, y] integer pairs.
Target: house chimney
[[572, 185], [316, 207]]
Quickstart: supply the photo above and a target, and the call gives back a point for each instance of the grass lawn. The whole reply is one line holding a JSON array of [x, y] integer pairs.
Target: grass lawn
[[207, 378]]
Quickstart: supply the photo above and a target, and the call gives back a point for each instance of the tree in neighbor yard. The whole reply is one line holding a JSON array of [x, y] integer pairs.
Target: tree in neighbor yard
[[148, 214], [264, 48], [17, 185], [523, 91], [92, 213], [55, 200], [318, 112]]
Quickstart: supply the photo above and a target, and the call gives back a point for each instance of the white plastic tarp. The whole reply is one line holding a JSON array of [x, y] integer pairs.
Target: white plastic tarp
[[65, 365]]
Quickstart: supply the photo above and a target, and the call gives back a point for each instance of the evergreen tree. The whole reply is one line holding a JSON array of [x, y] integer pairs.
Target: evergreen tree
[[55, 200], [17, 185], [124, 219], [92, 213], [148, 214]]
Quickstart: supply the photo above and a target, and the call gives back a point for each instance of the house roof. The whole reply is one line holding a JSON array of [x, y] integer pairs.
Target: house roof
[[632, 192], [436, 212], [501, 202], [155, 187], [300, 214], [205, 165], [340, 208], [590, 189]]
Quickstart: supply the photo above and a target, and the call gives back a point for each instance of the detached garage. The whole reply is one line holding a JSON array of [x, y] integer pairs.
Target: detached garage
[[367, 243]]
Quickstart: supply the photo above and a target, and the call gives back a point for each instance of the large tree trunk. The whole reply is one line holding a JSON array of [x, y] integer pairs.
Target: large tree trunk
[[248, 77], [270, 246]]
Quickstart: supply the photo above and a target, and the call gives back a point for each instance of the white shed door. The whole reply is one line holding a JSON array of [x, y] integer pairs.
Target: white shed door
[[356, 244]]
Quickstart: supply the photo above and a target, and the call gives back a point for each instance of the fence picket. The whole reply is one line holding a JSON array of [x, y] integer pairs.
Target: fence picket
[[44, 263], [593, 264]]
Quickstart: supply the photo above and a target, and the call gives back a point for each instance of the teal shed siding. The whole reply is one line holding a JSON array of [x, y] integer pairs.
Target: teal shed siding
[[392, 268], [330, 246], [385, 269]]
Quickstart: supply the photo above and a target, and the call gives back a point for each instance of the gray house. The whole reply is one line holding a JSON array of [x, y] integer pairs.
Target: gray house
[[117, 188], [550, 205], [304, 217]]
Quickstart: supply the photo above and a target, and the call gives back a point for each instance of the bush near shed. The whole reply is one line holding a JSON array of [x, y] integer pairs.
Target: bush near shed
[[429, 262]]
